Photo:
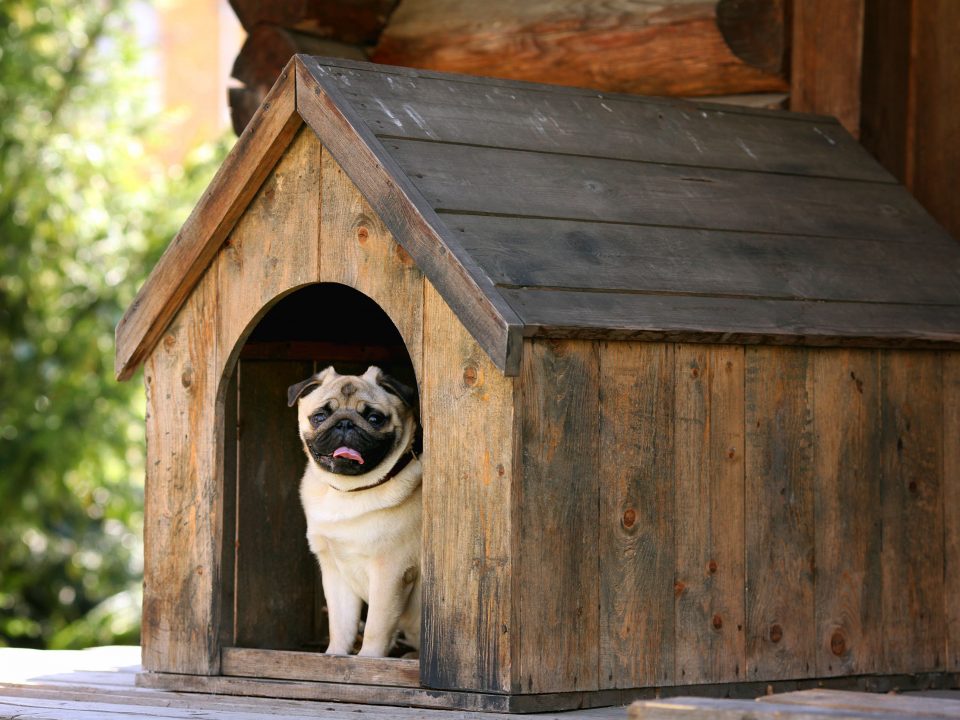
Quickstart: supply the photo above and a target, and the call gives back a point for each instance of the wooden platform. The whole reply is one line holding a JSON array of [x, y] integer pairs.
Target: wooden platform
[[99, 683]]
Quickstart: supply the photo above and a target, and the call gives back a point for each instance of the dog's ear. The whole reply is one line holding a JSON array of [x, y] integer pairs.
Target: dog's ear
[[295, 392], [395, 387]]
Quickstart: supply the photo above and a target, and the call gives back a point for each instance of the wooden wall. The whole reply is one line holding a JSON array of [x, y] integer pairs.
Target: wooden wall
[[732, 513]]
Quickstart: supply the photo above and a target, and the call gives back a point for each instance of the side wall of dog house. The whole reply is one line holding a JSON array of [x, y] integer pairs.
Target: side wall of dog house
[[693, 514]]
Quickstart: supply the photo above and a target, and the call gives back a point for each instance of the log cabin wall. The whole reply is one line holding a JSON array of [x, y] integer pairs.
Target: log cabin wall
[[734, 513]]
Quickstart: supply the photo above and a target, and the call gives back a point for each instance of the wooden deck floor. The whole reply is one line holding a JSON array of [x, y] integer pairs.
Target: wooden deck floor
[[98, 684]]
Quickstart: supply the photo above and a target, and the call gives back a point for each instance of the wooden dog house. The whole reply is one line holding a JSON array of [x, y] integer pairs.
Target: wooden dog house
[[689, 387]]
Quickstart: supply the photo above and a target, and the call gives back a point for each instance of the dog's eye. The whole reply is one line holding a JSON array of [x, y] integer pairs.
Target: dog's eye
[[318, 417], [375, 418]]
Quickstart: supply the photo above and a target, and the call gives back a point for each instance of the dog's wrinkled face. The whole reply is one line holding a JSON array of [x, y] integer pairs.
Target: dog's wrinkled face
[[351, 423]]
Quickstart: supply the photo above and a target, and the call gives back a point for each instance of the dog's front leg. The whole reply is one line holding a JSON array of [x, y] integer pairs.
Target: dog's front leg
[[343, 608], [388, 597]]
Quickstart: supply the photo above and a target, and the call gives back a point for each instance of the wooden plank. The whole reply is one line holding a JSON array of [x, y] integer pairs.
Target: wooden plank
[[468, 179], [556, 507], [951, 504], [229, 500], [182, 496], [358, 21], [467, 407], [646, 48], [636, 470], [274, 247], [275, 569], [192, 250], [288, 665], [849, 533], [825, 64], [609, 257], [779, 507], [912, 555], [722, 709], [709, 514], [533, 117], [869, 703], [357, 249], [935, 107], [559, 313], [413, 223]]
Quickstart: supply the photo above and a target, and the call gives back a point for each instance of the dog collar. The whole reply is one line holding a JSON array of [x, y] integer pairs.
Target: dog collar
[[394, 471]]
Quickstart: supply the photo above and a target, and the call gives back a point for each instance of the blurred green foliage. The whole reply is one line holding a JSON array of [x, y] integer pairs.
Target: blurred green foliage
[[85, 210]]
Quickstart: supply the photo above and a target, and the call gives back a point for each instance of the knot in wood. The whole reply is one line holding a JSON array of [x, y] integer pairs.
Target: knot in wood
[[629, 518], [776, 633], [712, 566], [362, 234], [186, 378], [169, 341], [471, 375], [717, 622], [838, 644]]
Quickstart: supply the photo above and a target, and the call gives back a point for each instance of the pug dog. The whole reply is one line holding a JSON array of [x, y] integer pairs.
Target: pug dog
[[361, 495]]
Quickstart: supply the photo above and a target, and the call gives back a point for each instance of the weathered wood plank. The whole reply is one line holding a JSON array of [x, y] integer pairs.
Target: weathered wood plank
[[951, 504], [180, 623], [468, 496], [555, 504], [826, 59], [636, 490], [468, 179], [869, 703], [672, 48], [912, 554], [779, 511], [191, 251], [413, 222], [393, 672], [228, 543], [525, 252], [275, 568], [274, 247], [558, 313], [525, 116], [356, 249], [849, 534], [709, 514]]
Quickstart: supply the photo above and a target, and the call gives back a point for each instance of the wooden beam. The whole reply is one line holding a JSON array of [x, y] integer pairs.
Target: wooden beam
[[654, 49], [356, 21], [826, 59], [190, 252]]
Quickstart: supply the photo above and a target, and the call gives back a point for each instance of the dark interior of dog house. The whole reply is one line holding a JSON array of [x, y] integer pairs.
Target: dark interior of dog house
[[273, 598]]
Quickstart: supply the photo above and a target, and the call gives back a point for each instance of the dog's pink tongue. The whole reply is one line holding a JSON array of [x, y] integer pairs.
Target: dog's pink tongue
[[348, 453]]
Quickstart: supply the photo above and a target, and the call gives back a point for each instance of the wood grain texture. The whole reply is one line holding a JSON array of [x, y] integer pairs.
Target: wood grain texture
[[951, 504], [779, 511], [358, 21], [228, 542], [182, 524], [643, 48], [556, 507], [413, 223], [552, 312], [468, 179], [391, 672], [709, 514], [470, 623], [191, 251], [275, 569], [826, 59], [357, 249], [520, 252], [912, 555], [456, 109], [274, 247], [636, 495], [849, 533]]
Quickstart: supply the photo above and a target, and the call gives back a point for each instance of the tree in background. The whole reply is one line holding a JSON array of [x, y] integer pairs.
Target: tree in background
[[85, 210]]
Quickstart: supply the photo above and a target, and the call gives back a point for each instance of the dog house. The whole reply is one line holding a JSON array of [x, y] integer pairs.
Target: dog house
[[688, 376]]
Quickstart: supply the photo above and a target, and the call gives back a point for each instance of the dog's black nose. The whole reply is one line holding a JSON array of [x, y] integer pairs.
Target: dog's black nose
[[345, 424]]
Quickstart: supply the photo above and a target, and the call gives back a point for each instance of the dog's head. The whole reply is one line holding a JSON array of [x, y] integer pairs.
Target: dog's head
[[352, 424]]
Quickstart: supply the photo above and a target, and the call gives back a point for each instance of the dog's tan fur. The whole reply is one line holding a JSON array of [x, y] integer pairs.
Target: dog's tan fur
[[365, 535]]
